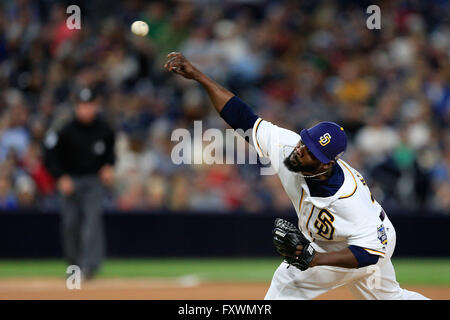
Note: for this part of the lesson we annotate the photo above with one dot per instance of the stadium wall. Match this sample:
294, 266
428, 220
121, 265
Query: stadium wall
169, 234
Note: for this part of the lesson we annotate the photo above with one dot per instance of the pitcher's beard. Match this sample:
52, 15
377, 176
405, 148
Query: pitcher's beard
297, 167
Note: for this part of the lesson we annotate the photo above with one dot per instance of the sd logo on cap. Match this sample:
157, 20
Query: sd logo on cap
326, 140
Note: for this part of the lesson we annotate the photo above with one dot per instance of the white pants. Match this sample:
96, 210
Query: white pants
376, 282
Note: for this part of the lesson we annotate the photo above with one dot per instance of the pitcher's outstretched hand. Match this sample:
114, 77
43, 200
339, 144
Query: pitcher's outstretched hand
177, 63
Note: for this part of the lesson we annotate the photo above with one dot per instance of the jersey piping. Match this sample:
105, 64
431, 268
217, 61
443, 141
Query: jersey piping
356, 185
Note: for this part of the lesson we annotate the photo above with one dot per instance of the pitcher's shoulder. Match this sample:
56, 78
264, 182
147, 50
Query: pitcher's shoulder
350, 185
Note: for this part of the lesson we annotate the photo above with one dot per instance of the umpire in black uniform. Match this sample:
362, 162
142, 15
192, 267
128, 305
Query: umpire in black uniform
81, 157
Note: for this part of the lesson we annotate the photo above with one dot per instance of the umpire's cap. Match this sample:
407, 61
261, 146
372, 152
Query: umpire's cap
326, 140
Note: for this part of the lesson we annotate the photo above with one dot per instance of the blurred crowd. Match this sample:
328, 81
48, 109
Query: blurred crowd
295, 64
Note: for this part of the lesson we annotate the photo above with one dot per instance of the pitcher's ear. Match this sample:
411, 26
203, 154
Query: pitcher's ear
329, 164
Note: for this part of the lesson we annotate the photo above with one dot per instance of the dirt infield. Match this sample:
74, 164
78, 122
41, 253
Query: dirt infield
160, 289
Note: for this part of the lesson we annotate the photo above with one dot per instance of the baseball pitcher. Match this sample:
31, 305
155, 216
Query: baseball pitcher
343, 237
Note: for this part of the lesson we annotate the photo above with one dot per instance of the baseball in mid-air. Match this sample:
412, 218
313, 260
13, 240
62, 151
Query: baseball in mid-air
139, 28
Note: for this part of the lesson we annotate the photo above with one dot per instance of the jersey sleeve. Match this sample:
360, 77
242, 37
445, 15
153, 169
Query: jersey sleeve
273, 142
369, 235
363, 257
371, 247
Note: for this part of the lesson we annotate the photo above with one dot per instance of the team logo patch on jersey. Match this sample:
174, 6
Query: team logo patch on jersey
382, 234
325, 139
324, 224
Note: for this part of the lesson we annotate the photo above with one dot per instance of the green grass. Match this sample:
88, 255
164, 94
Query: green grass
422, 271
409, 271
208, 269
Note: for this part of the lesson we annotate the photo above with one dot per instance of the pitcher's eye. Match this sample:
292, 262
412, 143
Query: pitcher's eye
311, 154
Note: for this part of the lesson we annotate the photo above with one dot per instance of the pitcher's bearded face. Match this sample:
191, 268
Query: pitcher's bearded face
301, 160
293, 164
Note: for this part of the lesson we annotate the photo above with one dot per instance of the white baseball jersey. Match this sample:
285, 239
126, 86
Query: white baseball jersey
346, 215
351, 216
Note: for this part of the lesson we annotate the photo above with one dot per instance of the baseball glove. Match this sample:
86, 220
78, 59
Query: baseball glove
286, 238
